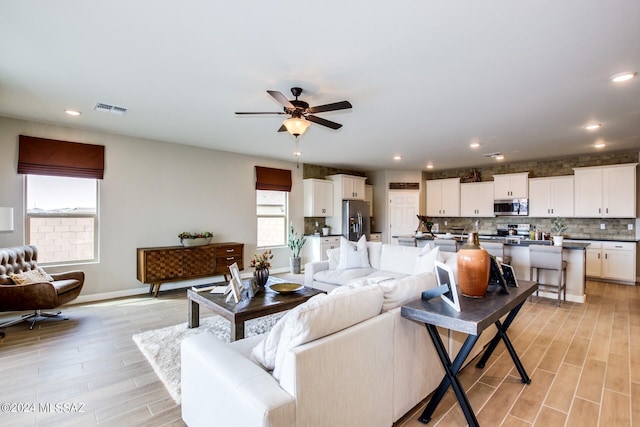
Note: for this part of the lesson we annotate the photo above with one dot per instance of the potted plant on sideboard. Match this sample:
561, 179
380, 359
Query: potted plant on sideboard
296, 242
558, 228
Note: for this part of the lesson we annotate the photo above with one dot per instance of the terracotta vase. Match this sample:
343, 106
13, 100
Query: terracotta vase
261, 275
473, 268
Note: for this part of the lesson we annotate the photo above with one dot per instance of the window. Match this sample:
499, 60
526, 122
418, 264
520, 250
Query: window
272, 212
62, 218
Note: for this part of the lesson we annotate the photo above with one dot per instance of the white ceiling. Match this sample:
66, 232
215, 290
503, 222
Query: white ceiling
425, 78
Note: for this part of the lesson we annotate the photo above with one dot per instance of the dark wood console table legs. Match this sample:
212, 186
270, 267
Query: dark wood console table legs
452, 369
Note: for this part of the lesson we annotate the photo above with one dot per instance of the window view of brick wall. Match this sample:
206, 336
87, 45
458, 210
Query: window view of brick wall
63, 238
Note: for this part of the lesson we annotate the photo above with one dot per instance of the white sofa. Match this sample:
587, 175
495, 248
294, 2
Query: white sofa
343, 359
385, 260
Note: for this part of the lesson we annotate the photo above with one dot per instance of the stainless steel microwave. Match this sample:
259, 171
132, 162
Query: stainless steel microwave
511, 207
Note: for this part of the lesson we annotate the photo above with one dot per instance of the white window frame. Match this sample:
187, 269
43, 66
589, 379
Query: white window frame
65, 215
284, 216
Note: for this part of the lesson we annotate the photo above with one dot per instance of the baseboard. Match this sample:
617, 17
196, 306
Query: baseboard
571, 298
143, 289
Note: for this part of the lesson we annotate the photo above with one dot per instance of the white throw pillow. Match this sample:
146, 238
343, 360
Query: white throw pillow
334, 258
353, 255
320, 316
425, 259
399, 292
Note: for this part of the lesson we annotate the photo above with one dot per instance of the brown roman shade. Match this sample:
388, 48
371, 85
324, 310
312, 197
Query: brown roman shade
273, 179
40, 156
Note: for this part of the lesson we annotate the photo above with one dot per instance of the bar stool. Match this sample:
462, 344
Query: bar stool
497, 250
543, 257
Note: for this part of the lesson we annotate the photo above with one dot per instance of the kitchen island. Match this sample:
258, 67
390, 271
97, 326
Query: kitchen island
518, 249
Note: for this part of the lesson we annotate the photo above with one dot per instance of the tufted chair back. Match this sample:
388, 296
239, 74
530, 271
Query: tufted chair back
17, 260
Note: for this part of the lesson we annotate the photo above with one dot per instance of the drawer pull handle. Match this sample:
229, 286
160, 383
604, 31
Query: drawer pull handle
230, 250
230, 258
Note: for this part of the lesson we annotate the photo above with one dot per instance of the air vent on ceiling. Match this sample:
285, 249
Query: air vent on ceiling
496, 154
108, 108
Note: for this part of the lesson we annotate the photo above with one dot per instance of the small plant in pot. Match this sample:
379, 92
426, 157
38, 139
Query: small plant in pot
295, 243
558, 228
325, 230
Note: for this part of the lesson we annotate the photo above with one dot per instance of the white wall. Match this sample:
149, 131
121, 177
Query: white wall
380, 181
151, 191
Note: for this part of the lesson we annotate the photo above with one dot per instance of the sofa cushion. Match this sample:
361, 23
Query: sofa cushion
341, 277
426, 258
375, 251
37, 275
353, 255
320, 316
398, 292
334, 257
399, 259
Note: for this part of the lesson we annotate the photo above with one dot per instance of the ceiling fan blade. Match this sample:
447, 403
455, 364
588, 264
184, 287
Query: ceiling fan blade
278, 96
342, 105
324, 122
282, 129
261, 112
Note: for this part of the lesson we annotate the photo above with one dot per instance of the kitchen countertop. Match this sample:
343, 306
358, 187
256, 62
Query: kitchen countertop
567, 244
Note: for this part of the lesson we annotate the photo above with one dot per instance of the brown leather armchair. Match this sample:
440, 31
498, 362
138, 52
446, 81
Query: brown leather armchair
34, 297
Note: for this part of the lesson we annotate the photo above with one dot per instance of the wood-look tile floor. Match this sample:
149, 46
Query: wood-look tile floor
583, 359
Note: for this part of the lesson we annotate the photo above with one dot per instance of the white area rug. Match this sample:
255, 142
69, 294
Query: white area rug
161, 347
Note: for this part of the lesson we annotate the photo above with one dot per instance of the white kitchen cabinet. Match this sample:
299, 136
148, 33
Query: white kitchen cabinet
476, 199
551, 197
511, 186
368, 197
318, 197
317, 247
612, 261
348, 187
605, 191
443, 197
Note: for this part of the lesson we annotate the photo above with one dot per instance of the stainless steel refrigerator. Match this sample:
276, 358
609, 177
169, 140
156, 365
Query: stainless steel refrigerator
355, 219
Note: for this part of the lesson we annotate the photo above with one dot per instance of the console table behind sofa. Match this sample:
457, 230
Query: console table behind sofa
174, 263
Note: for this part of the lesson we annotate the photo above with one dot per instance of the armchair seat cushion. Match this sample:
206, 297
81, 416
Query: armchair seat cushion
65, 285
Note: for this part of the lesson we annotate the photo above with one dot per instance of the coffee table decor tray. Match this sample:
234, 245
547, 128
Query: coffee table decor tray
286, 288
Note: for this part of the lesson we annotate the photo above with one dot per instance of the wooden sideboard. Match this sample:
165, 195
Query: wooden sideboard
174, 263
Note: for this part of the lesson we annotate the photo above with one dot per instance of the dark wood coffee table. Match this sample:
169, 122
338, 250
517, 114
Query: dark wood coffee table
262, 304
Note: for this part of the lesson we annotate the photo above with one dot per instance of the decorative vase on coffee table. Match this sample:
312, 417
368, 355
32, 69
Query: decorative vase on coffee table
261, 275
473, 268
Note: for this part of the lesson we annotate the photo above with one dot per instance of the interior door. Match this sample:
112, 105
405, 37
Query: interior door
404, 205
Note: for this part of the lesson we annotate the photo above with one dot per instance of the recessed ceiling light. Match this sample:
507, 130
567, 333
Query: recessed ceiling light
297, 153
474, 145
600, 144
593, 126
499, 157
623, 77
72, 112
397, 157
430, 166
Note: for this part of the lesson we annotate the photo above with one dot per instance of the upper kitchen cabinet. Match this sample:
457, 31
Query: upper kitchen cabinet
443, 197
605, 191
551, 197
348, 187
511, 186
318, 197
476, 199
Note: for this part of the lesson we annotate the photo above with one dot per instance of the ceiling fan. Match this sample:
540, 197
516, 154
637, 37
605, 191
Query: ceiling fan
300, 112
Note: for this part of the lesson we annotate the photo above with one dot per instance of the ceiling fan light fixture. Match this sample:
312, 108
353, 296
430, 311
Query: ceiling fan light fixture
296, 126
